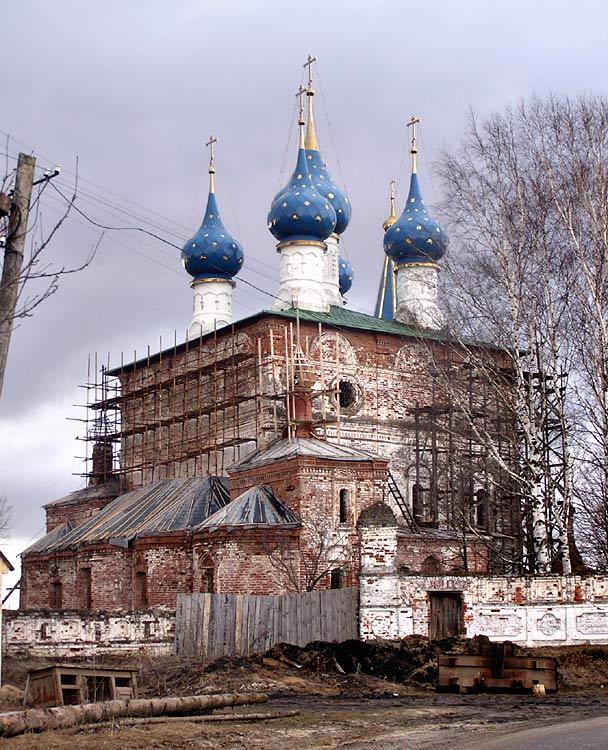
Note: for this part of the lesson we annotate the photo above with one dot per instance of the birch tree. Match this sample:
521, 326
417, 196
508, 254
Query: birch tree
526, 203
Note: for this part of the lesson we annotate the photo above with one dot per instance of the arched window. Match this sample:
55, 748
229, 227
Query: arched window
140, 590
337, 578
417, 500
420, 494
86, 593
207, 569
344, 498
431, 564
56, 595
482, 510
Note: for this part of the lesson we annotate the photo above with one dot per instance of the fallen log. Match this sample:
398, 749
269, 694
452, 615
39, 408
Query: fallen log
130, 722
62, 717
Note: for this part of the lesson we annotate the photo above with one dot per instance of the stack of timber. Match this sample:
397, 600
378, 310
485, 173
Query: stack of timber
498, 667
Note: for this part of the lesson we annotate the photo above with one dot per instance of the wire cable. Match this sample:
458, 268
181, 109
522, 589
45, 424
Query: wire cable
150, 234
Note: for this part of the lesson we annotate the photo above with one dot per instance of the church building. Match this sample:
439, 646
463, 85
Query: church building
261, 455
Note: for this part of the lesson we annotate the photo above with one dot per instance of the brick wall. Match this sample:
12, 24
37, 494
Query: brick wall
82, 504
392, 548
61, 576
241, 563
172, 426
105, 577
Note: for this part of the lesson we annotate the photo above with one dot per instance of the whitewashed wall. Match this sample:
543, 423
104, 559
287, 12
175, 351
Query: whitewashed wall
531, 611
60, 634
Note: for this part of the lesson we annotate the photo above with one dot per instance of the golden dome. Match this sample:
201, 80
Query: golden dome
392, 218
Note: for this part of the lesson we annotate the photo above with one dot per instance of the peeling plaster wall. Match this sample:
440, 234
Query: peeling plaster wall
61, 634
531, 611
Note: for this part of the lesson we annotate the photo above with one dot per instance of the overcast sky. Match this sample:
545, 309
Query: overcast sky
134, 89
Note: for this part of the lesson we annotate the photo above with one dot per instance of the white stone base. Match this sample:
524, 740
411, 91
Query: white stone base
301, 276
60, 634
212, 305
417, 288
530, 611
331, 270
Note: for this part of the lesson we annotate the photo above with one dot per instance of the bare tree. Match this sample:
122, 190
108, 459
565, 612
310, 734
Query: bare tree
5, 517
526, 199
28, 277
304, 563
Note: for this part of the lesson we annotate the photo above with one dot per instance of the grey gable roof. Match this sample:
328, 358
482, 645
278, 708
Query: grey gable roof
158, 508
52, 538
103, 490
307, 447
257, 507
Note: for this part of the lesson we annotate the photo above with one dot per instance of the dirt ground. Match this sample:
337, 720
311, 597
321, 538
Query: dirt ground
348, 695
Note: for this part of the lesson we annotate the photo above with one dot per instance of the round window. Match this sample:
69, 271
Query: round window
348, 394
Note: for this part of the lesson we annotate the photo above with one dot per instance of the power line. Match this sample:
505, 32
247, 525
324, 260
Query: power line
150, 234
141, 253
92, 197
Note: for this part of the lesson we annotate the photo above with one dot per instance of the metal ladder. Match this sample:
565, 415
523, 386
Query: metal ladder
397, 495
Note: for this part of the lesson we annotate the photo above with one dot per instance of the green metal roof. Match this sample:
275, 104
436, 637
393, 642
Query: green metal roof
337, 317
342, 317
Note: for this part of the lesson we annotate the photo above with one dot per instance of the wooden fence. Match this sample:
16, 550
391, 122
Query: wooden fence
214, 625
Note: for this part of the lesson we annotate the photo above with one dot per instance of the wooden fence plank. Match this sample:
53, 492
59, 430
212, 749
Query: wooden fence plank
204, 613
238, 623
214, 625
180, 633
245, 628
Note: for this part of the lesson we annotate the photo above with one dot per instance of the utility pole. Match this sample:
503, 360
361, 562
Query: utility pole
13, 254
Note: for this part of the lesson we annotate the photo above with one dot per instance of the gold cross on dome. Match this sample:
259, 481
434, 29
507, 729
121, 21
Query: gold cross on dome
413, 149
300, 94
308, 64
210, 143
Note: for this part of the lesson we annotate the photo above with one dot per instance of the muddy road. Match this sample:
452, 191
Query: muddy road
390, 723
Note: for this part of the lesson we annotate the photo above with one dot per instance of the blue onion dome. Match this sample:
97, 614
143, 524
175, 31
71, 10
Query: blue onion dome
299, 211
213, 253
321, 178
345, 275
415, 237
